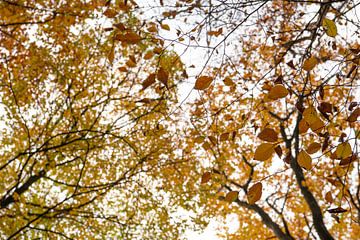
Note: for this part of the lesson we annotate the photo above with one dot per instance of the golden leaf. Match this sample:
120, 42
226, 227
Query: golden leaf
310, 63
277, 92
264, 151
304, 160
313, 148
254, 193
343, 150
330, 27
231, 196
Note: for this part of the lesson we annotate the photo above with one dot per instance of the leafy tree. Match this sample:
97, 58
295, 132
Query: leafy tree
95, 143
279, 82
83, 137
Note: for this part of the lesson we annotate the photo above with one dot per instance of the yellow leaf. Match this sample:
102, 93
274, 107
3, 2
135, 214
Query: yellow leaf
264, 151
278, 91
165, 27
254, 193
317, 125
269, 135
330, 27
203, 82
231, 196
313, 148
343, 150
310, 115
205, 177
304, 160
310, 63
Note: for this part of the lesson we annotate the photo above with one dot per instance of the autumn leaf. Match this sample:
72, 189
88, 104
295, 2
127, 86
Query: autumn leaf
205, 177
329, 197
231, 196
165, 27
277, 92
148, 81
304, 160
203, 82
163, 76
330, 27
254, 193
343, 150
313, 148
264, 151
310, 63
268, 134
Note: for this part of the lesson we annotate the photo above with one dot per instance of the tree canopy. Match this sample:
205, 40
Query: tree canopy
147, 119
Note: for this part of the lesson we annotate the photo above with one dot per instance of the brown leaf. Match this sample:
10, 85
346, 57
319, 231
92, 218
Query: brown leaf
254, 193
231, 196
269, 135
310, 63
203, 82
148, 81
205, 177
304, 160
278, 151
337, 210
277, 92
163, 76
313, 148
329, 197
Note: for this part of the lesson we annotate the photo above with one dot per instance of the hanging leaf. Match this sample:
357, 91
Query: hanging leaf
304, 160
110, 13
231, 196
343, 150
165, 27
269, 135
330, 27
313, 148
303, 126
278, 151
277, 92
348, 160
148, 81
203, 82
264, 151
205, 177
329, 197
254, 193
310, 63
163, 76
354, 115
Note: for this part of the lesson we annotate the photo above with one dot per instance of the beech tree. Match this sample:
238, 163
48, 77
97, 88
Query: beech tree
274, 128
96, 144
83, 137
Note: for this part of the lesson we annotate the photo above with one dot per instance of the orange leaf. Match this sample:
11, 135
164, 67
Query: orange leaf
264, 151
277, 92
310, 63
313, 148
304, 160
203, 82
329, 197
269, 135
254, 193
205, 177
354, 115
